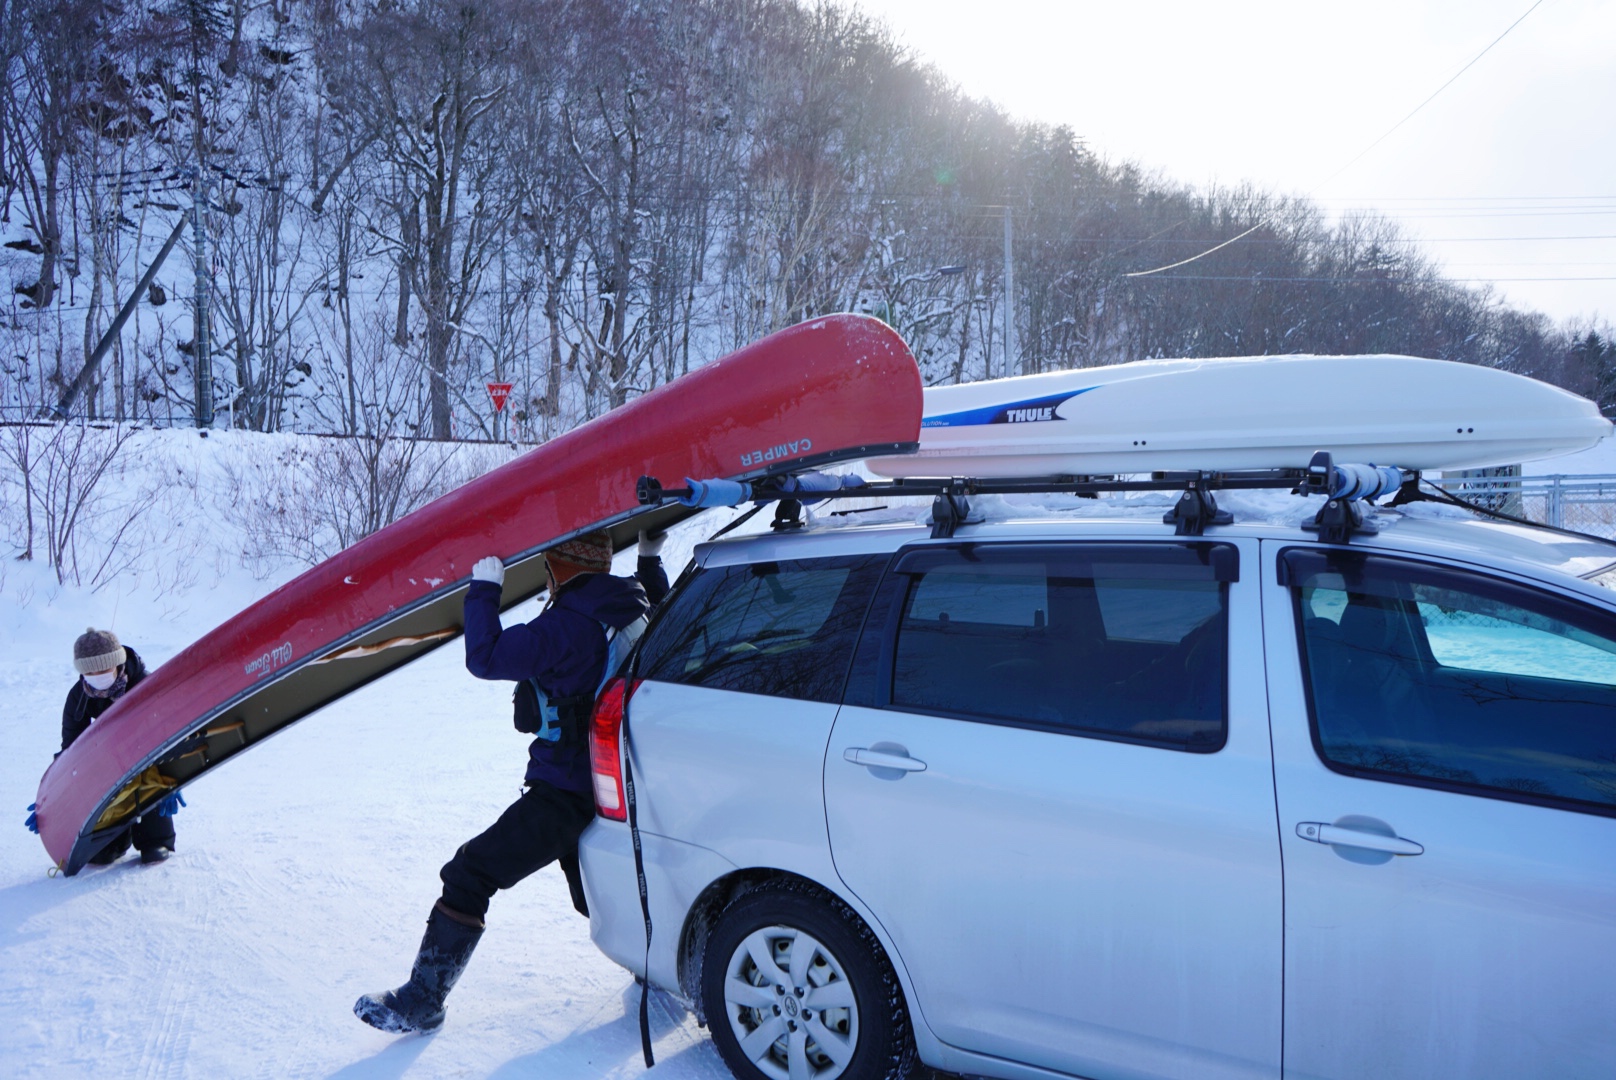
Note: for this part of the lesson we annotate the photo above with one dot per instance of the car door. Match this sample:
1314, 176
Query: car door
742, 677
1050, 782
1445, 764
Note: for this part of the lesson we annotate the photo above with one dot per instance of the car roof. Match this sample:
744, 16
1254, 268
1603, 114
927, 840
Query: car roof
1430, 529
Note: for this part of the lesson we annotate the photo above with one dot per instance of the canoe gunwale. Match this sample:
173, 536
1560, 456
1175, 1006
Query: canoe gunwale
90, 840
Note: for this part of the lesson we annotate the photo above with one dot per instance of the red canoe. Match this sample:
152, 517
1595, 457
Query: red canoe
833, 389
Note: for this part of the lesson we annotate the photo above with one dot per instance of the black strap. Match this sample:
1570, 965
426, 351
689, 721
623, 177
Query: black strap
743, 519
639, 874
634, 830
1439, 494
572, 714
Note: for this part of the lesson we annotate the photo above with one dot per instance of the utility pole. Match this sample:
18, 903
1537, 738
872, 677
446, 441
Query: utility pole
199, 253
1009, 301
203, 358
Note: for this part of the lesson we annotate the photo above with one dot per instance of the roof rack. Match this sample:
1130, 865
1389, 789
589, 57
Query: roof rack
1346, 488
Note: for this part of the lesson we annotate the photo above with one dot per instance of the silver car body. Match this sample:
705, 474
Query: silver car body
1056, 905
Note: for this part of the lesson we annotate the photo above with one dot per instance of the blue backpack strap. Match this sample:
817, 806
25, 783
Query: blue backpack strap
549, 715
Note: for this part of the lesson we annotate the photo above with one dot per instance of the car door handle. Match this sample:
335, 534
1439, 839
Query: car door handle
1335, 835
881, 759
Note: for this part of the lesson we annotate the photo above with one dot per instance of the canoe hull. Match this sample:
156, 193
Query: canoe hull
828, 390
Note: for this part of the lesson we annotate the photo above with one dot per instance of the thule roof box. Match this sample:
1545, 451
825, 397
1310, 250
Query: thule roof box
1198, 427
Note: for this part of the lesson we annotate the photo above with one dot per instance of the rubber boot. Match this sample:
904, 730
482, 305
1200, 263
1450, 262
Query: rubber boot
418, 1004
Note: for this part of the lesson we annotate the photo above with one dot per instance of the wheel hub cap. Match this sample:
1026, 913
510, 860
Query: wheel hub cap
790, 1005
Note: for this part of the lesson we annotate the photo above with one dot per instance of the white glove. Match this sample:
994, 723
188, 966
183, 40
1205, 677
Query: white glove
651, 547
489, 569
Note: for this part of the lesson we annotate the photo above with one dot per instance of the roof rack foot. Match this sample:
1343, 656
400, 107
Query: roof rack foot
1194, 511
948, 512
1340, 521
787, 515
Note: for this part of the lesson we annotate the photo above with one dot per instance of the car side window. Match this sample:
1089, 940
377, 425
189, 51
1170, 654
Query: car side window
1126, 642
1441, 677
784, 629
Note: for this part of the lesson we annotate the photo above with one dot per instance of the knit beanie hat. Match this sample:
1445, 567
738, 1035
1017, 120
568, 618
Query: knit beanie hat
591, 553
97, 650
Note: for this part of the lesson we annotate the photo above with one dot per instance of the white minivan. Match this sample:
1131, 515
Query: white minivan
1071, 795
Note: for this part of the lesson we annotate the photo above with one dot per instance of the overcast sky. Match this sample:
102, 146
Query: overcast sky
1285, 93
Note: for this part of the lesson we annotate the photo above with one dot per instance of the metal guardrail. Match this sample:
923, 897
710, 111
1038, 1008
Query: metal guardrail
31, 419
44, 415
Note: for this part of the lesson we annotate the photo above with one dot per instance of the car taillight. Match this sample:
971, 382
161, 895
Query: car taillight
605, 760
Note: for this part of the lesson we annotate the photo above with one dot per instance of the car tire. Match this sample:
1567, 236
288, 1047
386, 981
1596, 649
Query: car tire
824, 989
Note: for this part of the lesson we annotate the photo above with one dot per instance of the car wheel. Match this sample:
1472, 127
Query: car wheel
796, 987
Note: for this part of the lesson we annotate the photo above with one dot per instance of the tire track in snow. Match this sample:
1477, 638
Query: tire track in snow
168, 1040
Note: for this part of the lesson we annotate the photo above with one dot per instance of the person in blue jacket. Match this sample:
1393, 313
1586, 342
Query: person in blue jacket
558, 662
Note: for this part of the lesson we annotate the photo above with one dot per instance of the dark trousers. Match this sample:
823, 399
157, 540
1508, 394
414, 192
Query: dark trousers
150, 831
534, 831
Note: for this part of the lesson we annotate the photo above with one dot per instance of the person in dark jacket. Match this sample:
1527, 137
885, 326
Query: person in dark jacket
107, 670
561, 656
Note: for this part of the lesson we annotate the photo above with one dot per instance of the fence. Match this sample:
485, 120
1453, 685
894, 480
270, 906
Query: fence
18, 416
1585, 502
46, 414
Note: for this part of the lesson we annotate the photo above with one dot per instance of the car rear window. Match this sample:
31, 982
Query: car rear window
785, 629
1127, 642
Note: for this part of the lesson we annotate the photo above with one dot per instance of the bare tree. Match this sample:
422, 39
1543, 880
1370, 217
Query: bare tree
657, 181
79, 468
433, 81
263, 283
20, 450
53, 82
607, 126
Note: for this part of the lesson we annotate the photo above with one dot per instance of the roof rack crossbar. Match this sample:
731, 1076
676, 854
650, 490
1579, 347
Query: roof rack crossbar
652, 493
1345, 488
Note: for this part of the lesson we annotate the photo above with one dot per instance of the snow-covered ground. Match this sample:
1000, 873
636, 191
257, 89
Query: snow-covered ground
303, 877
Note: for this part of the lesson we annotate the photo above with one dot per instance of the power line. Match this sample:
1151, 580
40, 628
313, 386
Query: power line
1361, 153
1401, 215
1466, 198
1454, 78
1539, 262
1259, 279
366, 293
1511, 239
1396, 242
